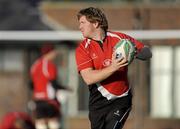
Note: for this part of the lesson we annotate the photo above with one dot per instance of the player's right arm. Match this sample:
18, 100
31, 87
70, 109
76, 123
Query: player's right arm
91, 75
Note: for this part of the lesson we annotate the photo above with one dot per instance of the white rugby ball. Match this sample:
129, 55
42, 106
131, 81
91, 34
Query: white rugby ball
125, 49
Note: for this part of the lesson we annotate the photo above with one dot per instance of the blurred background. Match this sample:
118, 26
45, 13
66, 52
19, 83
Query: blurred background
25, 25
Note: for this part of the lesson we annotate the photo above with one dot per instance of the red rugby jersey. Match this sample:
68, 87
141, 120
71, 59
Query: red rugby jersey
89, 54
42, 72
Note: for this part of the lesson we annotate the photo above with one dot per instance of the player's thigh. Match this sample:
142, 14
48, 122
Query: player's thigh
45, 110
116, 118
96, 119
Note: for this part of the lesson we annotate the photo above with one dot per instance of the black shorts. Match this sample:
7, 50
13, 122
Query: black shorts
46, 109
113, 116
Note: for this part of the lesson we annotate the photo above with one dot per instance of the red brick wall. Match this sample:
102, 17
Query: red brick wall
13, 93
122, 17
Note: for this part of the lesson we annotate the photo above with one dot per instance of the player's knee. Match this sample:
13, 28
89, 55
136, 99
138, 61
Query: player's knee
54, 124
40, 125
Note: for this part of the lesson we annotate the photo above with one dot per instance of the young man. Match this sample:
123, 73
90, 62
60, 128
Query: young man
110, 96
45, 85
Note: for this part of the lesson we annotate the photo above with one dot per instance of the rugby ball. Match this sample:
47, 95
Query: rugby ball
125, 49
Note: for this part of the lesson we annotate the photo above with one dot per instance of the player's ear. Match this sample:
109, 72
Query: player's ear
96, 24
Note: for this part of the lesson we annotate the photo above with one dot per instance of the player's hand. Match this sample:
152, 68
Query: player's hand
117, 63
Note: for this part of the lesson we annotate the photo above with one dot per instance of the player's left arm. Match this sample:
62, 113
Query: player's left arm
56, 85
52, 76
143, 52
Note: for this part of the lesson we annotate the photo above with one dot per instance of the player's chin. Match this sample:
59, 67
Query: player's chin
84, 35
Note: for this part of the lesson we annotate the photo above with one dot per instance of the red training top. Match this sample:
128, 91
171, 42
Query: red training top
89, 54
42, 72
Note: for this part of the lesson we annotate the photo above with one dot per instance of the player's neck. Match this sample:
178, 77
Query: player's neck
99, 35
49, 56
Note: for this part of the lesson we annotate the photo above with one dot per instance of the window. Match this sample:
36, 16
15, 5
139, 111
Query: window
11, 60
177, 83
165, 76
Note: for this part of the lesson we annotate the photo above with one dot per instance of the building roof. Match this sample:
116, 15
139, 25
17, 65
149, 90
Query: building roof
20, 15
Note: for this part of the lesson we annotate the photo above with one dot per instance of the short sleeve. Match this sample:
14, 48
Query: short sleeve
139, 45
83, 58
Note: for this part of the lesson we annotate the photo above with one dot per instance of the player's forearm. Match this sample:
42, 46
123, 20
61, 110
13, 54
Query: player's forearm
91, 76
56, 85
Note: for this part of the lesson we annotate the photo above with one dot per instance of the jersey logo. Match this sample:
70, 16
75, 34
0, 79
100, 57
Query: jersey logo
117, 113
106, 62
93, 56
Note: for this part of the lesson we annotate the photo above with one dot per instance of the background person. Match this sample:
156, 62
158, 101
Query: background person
44, 83
106, 76
17, 120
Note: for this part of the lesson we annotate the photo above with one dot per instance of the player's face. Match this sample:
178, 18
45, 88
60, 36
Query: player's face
86, 28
